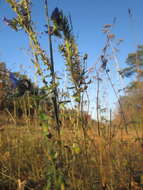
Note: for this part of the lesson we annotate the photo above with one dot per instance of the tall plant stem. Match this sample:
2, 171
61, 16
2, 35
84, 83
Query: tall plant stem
53, 81
121, 108
97, 105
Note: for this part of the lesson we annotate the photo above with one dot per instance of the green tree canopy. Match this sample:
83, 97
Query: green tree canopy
135, 63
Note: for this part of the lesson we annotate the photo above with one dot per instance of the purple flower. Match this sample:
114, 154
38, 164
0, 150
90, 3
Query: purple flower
11, 22
55, 14
7, 21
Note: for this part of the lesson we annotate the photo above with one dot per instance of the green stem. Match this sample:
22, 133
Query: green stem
55, 98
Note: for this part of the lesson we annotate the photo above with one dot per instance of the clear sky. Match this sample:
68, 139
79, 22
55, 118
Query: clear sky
88, 17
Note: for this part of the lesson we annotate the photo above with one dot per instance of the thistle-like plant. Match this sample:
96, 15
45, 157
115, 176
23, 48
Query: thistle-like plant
23, 20
69, 50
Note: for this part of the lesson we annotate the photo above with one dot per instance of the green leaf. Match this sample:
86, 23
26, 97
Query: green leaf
45, 129
76, 148
43, 116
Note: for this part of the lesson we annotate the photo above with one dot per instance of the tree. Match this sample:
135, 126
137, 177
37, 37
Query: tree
13, 82
132, 101
12, 86
135, 64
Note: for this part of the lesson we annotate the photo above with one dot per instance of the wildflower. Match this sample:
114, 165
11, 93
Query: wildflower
55, 14
11, 22
57, 17
7, 21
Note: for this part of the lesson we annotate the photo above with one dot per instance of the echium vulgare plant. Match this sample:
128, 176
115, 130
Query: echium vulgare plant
69, 49
23, 20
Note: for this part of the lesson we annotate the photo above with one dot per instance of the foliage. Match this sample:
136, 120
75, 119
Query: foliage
75, 64
21, 97
61, 148
132, 104
135, 63
132, 100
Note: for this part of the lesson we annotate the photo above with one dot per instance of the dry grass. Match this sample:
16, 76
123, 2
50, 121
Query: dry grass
28, 157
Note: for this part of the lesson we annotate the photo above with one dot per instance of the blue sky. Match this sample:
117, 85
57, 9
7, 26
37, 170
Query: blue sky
88, 17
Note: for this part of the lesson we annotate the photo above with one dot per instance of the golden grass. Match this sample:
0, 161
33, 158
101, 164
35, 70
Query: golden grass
90, 162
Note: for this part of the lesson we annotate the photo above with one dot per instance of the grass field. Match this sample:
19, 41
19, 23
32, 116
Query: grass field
48, 137
29, 159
